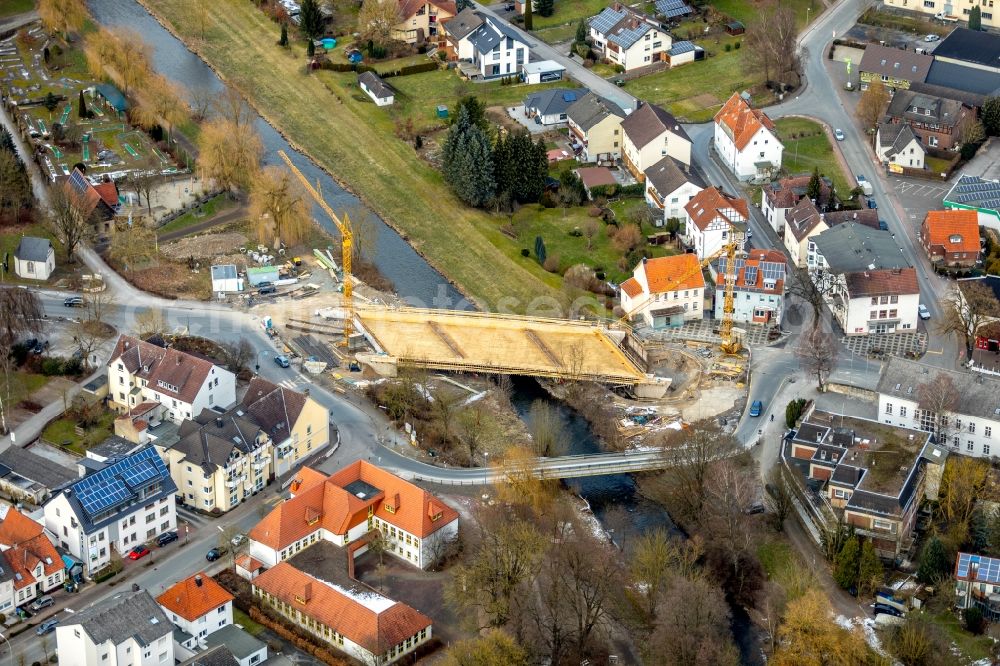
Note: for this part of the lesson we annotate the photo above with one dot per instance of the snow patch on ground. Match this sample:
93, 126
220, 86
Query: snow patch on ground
373, 601
867, 626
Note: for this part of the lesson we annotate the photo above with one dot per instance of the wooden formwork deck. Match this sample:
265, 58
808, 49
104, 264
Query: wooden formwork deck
510, 344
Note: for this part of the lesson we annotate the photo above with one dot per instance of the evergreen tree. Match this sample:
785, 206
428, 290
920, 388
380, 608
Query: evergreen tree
528, 22
870, 572
310, 48
51, 102
990, 115
310, 19
476, 111
468, 162
454, 144
540, 249
81, 110
581, 32
283, 40
846, 568
976, 18
933, 561
814, 189
545, 7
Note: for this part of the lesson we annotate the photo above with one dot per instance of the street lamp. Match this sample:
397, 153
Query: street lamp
10, 650
257, 364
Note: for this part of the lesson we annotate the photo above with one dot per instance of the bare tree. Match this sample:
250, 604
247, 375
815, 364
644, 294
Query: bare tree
693, 627
971, 131
476, 428
121, 54
817, 351
21, 314
62, 16
145, 178
200, 101
68, 218
656, 558
936, 399
149, 322
590, 230
811, 288
232, 106
548, 433
278, 206
160, 102
771, 45
966, 308
377, 19
229, 154
872, 104
131, 245
779, 498
238, 355
518, 483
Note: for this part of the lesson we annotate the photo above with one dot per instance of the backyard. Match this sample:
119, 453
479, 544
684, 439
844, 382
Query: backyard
807, 146
405, 190
207, 210
62, 432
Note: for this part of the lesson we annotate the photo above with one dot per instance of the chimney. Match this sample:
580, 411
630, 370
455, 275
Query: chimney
178, 359
218, 422
307, 591
197, 580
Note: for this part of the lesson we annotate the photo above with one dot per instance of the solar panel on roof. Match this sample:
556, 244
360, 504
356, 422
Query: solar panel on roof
78, 182
681, 47
751, 275
116, 483
569, 96
606, 20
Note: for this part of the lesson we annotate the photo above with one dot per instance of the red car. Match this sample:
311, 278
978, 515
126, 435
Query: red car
138, 552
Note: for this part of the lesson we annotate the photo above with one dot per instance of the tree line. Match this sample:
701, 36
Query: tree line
15, 188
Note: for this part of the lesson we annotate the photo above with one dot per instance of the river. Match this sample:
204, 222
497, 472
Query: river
413, 278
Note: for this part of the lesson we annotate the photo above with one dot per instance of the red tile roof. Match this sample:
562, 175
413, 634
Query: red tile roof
754, 259
306, 478
446, 8
890, 281
183, 373
953, 230
631, 287
26, 548
741, 121
665, 274
711, 203
360, 615
191, 600
248, 563
786, 192
108, 192
17, 527
330, 506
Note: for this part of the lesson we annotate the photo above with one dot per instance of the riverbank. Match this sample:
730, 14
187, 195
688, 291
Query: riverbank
386, 173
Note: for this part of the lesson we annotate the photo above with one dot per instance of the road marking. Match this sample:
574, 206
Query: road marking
939, 352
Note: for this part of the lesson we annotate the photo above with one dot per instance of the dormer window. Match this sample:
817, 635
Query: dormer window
954, 238
390, 508
436, 516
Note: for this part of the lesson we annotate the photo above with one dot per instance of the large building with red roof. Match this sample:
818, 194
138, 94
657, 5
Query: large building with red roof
951, 237
759, 290
665, 292
334, 517
712, 217
30, 565
746, 140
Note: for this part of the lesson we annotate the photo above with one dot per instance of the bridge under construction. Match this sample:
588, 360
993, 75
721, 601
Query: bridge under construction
461, 341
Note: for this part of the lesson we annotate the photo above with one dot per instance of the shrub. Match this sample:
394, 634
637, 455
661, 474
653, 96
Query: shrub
52, 366
575, 232
525, 252
974, 621
551, 263
793, 410
737, 45
595, 211
728, 48
547, 200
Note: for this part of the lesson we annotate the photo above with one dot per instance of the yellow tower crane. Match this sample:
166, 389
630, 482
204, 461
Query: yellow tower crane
346, 245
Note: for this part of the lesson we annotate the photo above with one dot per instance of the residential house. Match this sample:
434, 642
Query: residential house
247, 650
950, 8
779, 197
649, 134
26, 476
456, 33
898, 147
248, 567
595, 126
977, 584
628, 38
219, 655
219, 460
935, 120
665, 291
951, 237
873, 477
978, 194
114, 507
98, 202
185, 384
759, 290
348, 504
129, 629
968, 426
549, 107
198, 606
670, 186
866, 280
671, 10
804, 221
298, 426
34, 258
597, 176
31, 566
745, 139
496, 49
421, 20
380, 92
895, 68
712, 217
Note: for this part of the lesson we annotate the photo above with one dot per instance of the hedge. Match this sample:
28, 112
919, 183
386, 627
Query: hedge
419, 68
286, 630
627, 191
107, 572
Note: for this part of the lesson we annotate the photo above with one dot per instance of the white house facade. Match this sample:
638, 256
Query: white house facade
665, 292
650, 133
496, 49
198, 606
127, 630
670, 185
627, 38
746, 141
712, 217
34, 258
759, 289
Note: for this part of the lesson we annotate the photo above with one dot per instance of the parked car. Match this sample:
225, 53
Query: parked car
238, 540
264, 285
883, 226
215, 554
73, 302
47, 627
40, 347
755, 508
756, 408
40, 603
282, 361
888, 610
138, 553
932, 38
165, 538
838, 134
872, 203
924, 313
269, 289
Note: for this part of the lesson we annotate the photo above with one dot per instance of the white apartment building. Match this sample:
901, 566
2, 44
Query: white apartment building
114, 507
665, 291
650, 134
129, 629
141, 372
972, 426
958, 10
713, 217
496, 49
759, 290
628, 38
746, 141
198, 606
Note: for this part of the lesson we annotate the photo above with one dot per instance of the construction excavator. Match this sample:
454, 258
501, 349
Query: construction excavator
346, 246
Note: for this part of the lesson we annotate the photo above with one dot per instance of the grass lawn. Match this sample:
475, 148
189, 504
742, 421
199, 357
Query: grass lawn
811, 149
695, 91
744, 11
250, 626
936, 164
557, 33
11, 7
355, 141
569, 11
554, 226
784, 566
604, 70
10, 237
975, 648
22, 384
63, 430
216, 204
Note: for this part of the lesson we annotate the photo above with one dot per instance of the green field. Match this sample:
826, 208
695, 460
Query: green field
745, 11
62, 432
974, 648
811, 149
557, 34
330, 119
22, 385
569, 11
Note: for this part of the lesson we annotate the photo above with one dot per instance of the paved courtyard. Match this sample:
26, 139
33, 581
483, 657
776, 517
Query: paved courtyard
896, 344
706, 330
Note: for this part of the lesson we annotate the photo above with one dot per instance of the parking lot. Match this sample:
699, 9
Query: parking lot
918, 196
